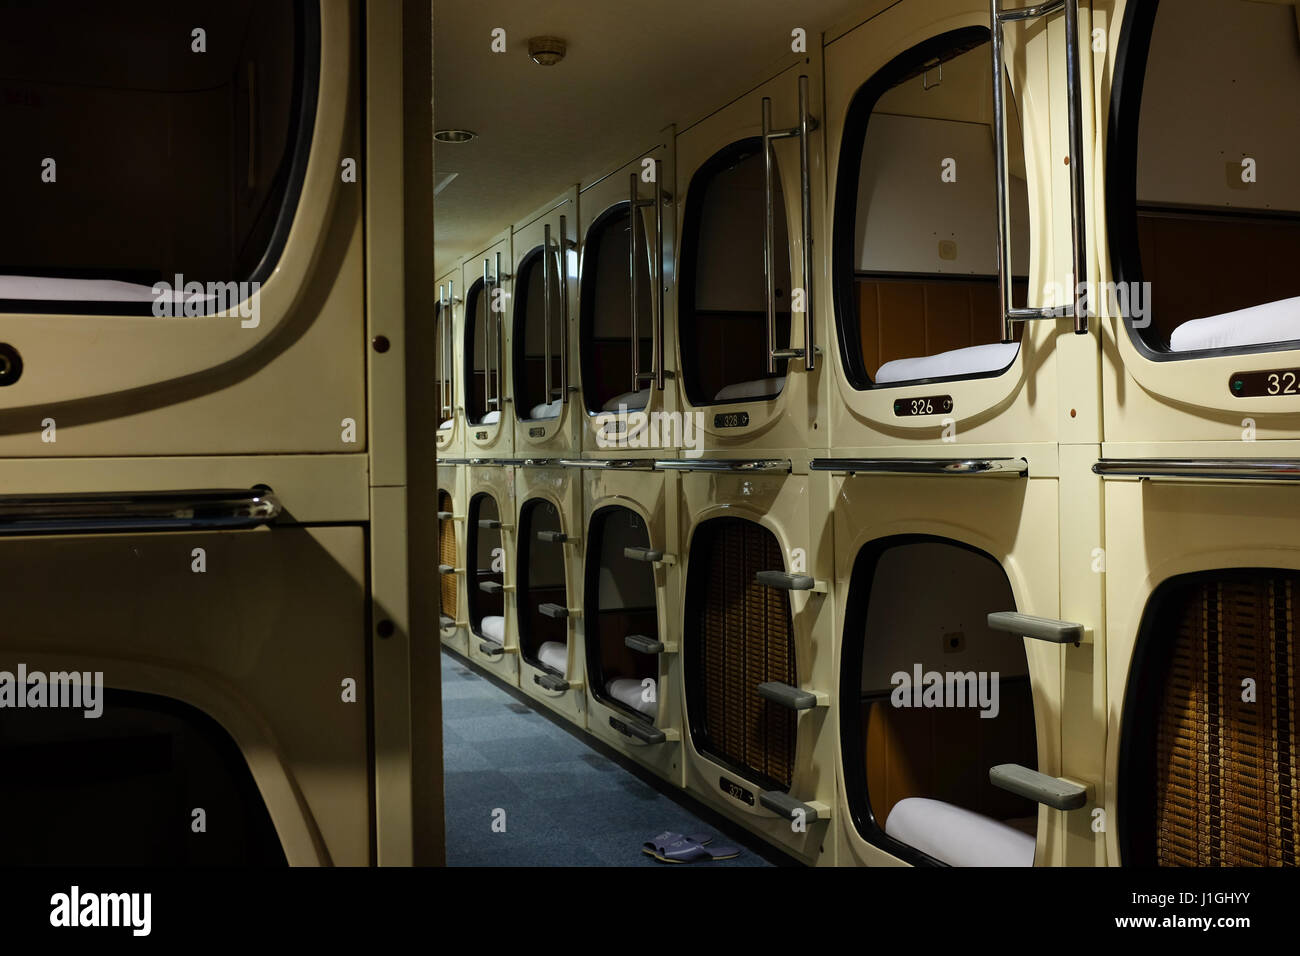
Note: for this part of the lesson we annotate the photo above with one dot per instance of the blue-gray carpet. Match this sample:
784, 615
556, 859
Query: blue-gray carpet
565, 804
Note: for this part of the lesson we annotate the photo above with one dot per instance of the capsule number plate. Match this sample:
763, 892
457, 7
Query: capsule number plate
1274, 382
923, 405
731, 420
735, 791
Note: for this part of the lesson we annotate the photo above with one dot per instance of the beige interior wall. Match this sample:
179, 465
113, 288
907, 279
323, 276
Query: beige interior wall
1244, 97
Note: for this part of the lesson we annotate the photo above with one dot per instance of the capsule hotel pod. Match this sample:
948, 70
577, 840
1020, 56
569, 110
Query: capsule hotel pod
218, 522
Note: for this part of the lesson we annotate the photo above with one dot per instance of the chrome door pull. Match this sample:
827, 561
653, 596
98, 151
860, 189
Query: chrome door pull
807, 124
1079, 228
101, 512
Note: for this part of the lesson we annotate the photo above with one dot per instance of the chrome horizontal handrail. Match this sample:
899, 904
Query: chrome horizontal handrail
99, 512
777, 465
609, 464
1242, 469
998, 467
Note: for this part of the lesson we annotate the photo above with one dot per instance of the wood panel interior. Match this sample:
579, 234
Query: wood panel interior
903, 317
1203, 265
945, 753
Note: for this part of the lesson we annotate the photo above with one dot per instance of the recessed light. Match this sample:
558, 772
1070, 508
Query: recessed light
454, 135
546, 51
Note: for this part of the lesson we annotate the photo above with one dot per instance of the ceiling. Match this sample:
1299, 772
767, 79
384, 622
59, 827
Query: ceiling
631, 70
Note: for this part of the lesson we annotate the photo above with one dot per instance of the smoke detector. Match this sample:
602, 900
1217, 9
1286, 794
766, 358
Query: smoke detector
546, 51
454, 135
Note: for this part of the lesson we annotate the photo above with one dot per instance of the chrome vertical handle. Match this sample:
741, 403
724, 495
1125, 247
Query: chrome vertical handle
546, 305
633, 212
807, 123
450, 347
805, 189
658, 356
1078, 224
487, 337
769, 236
498, 340
564, 310
442, 352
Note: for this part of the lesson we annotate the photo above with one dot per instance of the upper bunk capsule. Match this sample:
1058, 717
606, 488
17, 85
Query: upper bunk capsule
546, 414
627, 284
1202, 225
956, 227
750, 304
485, 352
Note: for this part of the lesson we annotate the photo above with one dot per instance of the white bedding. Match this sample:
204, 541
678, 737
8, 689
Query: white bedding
494, 628
759, 388
629, 691
555, 656
968, 361
956, 836
1259, 325
491, 418
632, 400
446, 426
547, 410
48, 289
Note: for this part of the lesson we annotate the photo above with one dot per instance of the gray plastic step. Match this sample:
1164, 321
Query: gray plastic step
643, 645
792, 698
1050, 791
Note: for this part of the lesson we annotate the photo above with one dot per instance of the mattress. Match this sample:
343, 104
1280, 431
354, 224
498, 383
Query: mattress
627, 690
957, 836
1259, 325
630, 399
758, 388
494, 628
968, 361
45, 288
555, 656
547, 409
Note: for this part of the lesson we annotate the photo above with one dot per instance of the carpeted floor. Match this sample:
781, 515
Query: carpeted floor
564, 803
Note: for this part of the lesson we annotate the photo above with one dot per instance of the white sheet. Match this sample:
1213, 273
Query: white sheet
494, 628
629, 691
956, 836
548, 410
759, 388
491, 418
632, 400
1259, 325
968, 361
48, 289
555, 656
446, 426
